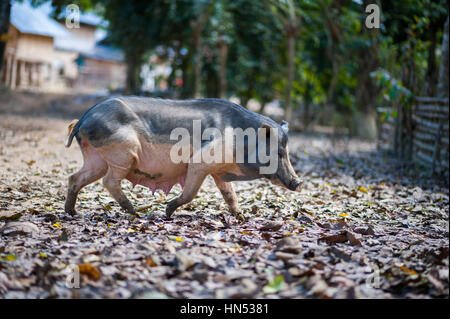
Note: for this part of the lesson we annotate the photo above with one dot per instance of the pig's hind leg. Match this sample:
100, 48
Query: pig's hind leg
229, 195
120, 158
94, 168
112, 182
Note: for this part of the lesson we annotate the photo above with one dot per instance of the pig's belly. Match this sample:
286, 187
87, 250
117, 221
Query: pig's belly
155, 170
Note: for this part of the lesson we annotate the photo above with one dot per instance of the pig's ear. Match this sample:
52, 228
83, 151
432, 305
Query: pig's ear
267, 127
285, 126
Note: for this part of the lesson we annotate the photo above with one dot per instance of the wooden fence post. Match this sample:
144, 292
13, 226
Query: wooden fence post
437, 149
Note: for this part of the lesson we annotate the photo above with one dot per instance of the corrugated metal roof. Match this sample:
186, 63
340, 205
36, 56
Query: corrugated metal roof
79, 43
30, 20
106, 53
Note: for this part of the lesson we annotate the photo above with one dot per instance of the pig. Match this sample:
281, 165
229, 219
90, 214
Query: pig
129, 137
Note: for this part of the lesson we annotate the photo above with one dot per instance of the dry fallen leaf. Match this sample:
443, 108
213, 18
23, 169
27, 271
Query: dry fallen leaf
352, 239
363, 189
408, 271
91, 271
364, 230
272, 226
339, 238
9, 215
19, 228
149, 262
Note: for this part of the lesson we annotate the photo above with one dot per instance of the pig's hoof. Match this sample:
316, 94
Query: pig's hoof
71, 211
169, 213
131, 212
131, 217
239, 216
170, 209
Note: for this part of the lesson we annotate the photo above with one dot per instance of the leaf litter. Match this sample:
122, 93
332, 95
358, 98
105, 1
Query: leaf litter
363, 226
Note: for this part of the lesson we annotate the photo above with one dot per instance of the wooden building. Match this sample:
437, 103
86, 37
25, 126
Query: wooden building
30, 60
102, 67
43, 54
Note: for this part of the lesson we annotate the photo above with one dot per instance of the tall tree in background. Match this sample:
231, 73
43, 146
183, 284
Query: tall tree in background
254, 66
332, 12
136, 27
5, 11
443, 70
411, 33
435, 19
222, 31
203, 12
235, 48
366, 89
289, 14
222, 45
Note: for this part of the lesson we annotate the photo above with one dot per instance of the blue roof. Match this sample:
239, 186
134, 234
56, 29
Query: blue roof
36, 20
88, 18
29, 20
103, 52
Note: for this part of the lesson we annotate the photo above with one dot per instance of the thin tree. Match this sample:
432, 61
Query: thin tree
289, 15
5, 12
443, 70
198, 25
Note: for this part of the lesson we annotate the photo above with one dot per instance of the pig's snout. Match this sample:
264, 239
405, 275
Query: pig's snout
295, 185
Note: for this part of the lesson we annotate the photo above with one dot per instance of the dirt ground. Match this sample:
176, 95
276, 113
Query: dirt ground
364, 225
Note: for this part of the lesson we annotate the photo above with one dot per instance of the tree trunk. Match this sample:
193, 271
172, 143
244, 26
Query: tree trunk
334, 78
5, 12
133, 82
262, 107
431, 78
306, 117
198, 27
245, 98
172, 76
223, 53
364, 125
198, 63
442, 90
290, 75
187, 75
332, 32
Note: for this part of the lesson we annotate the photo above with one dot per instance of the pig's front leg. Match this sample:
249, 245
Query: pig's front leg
195, 176
229, 195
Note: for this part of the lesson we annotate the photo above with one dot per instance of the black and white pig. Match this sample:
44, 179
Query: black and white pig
133, 138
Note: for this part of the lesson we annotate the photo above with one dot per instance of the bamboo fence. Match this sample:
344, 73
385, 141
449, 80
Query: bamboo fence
419, 133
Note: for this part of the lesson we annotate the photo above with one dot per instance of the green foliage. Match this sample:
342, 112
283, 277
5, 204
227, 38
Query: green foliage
337, 60
392, 87
393, 92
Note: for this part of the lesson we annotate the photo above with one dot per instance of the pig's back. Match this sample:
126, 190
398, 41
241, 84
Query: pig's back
156, 118
164, 113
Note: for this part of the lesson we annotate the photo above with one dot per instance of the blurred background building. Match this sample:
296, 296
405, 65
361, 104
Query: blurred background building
43, 54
